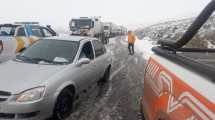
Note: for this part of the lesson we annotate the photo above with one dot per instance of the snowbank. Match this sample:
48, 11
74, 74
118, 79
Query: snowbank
210, 45
144, 47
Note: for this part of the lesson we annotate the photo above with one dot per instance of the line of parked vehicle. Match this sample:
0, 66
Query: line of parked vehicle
16, 37
95, 27
43, 73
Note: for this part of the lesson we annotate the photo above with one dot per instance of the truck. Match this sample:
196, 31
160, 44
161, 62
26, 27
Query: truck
122, 30
179, 82
114, 30
119, 30
88, 26
107, 29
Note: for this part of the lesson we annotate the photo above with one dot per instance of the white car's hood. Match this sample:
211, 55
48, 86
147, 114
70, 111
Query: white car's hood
16, 77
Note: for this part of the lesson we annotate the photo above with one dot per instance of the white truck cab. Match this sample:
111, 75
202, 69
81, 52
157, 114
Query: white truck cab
87, 26
107, 29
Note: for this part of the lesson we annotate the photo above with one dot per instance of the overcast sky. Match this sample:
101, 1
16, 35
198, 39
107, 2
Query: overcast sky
125, 12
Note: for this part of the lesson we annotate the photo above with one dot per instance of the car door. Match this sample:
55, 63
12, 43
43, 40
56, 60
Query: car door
8, 43
31, 37
36, 33
99, 58
21, 39
86, 72
46, 32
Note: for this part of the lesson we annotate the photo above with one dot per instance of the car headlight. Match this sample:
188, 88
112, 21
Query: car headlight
31, 95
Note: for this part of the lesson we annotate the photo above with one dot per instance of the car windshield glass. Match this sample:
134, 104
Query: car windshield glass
50, 51
7, 30
82, 23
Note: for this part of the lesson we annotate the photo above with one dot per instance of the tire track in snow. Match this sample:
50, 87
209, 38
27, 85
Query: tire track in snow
123, 65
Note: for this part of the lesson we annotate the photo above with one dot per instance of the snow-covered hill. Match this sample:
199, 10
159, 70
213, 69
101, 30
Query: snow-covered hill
173, 30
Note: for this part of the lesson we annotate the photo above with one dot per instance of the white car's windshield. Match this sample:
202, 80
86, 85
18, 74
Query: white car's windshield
50, 51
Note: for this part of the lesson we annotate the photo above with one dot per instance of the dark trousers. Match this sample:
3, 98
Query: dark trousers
131, 48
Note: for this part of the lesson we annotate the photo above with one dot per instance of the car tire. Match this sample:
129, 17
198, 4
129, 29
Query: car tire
106, 76
64, 105
141, 116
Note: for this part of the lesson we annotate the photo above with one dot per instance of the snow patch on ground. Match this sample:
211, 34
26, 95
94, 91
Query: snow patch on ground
112, 40
144, 47
210, 45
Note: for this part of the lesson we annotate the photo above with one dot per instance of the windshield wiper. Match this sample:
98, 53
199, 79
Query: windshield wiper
42, 59
24, 58
37, 60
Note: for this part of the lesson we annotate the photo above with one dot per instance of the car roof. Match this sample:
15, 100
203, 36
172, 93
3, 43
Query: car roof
17, 25
69, 38
9, 25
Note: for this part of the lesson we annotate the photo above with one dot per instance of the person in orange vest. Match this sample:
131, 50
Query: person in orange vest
131, 41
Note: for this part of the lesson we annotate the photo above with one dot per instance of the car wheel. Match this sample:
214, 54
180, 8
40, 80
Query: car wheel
64, 105
1, 46
141, 116
106, 76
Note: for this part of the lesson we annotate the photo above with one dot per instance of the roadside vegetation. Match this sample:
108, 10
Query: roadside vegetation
173, 30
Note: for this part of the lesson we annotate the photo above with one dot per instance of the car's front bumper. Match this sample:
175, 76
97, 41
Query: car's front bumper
38, 110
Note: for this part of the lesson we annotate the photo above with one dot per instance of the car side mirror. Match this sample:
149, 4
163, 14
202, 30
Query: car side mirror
83, 61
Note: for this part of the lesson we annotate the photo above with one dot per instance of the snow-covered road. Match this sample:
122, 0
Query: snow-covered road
144, 47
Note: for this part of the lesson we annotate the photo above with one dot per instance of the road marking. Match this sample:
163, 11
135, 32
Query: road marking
117, 71
123, 65
111, 77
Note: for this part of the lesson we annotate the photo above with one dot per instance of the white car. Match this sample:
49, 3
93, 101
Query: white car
45, 79
16, 37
